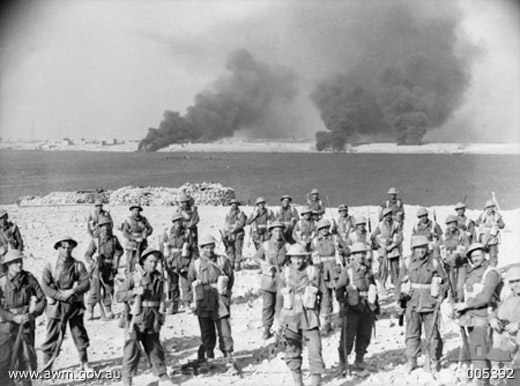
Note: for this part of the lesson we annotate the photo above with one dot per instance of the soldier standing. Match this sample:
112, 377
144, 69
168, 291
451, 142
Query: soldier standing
191, 219
426, 227
288, 216
394, 203
212, 277
342, 228
234, 233
143, 292
324, 258
489, 224
102, 255
271, 257
94, 217
316, 205
481, 292
178, 254
358, 310
465, 223
361, 235
10, 237
21, 302
305, 229
423, 299
453, 253
135, 230
64, 283
301, 294
259, 220
388, 237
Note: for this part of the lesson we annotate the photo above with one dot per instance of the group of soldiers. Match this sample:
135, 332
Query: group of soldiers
306, 260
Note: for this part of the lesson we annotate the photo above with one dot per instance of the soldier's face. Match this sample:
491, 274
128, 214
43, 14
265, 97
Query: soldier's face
423, 219
136, 211
234, 206
208, 250
150, 263
393, 196
3, 220
104, 229
490, 210
421, 251
452, 226
277, 233
344, 213
298, 261
315, 196
515, 286
15, 267
307, 216
478, 257
359, 257
388, 217
99, 207
460, 212
361, 227
261, 205
65, 249
285, 202
176, 225
324, 231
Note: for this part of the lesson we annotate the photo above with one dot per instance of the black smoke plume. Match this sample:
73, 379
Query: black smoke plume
408, 79
237, 101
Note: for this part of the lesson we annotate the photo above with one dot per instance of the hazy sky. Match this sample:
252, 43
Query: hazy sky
92, 68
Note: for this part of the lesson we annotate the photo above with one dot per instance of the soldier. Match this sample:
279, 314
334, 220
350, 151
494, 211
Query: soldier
135, 230
481, 292
212, 277
453, 253
305, 229
489, 224
143, 292
464, 222
419, 284
506, 323
288, 216
102, 255
234, 234
94, 217
21, 302
178, 254
316, 215
301, 294
324, 258
394, 203
343, 226
388, 238
316, 205
358, 310
426, 227
360, 235
272, 258
64, 283
191, 218
10, 237
258, 220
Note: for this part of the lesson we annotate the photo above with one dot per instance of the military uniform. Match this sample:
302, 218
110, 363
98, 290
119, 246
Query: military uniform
342, 227
388, 238
15, 299
108, 252
419, 273
288, 216
299, 317
358, 314
316, 207
465, 223
94, 218
360, 236
395, 204
190, 220
135, 230
259, 221
235, 234
453, 252
488, 229
10, 237
145, 322
213, 303
272, 258
304, 231
65, 274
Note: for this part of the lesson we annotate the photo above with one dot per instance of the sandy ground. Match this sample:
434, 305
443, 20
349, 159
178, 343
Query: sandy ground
41, 226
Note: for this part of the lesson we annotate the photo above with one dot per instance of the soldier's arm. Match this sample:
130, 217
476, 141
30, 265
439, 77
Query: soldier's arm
295, 231
484, 297
148, 228
341, 285
252, 217
195, 219
397, 290
399, 238
259, 256
83, 282
438, 231
279, 298
191, 272
240, 224
19, 241
126, 231
500, 222
117, 255
37, 291
48, 285
125, 294
228, 270
91, 249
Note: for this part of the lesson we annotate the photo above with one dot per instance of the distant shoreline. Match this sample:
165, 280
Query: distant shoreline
258, 146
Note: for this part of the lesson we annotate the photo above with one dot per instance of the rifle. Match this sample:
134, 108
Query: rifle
101, 287
136, 307
224, 239
495, 200
402, 303
19, 336
436, 311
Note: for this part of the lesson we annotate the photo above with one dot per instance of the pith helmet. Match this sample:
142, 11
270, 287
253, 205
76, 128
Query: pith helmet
150, 251
234, 201
3, 212
392, 190
360, 220
297, 250
422, 212
206, 240
489, 204
13, 255
98, 202
65, 238
342, 207
475, 247
315, 191
259, 200
387, 211
419, 241
177, 217
323, 224
358, 247
286, 197
276, 224
460, 205
305, 210
513, 274
104, 220
184, 197
133, 206
451, 218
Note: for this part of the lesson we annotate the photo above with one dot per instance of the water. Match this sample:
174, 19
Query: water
354, 179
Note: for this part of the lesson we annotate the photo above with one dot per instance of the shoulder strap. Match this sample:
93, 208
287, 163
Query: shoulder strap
286, 273
350, 276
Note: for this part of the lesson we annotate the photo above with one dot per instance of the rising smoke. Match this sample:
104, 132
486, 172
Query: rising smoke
238, 101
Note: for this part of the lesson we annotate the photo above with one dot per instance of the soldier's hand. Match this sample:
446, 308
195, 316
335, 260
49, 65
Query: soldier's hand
493, 323
399, 309
65, 295
512, 328
18, 319
459, 307
138, 290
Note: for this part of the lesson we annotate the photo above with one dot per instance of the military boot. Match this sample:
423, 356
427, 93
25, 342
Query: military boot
90, 312
297, 378
411, 365
267, 333
174, 308
238, 266
359, 363
109, 313
342, 366
315, 380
